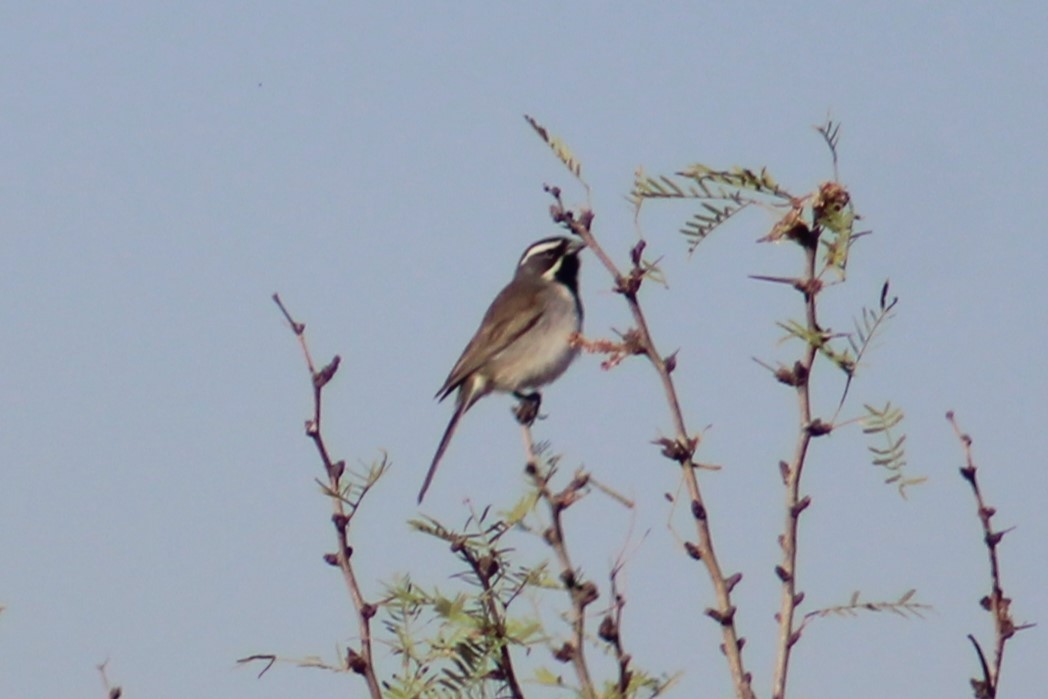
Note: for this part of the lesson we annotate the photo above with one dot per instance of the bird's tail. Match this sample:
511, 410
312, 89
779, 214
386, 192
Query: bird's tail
460, 410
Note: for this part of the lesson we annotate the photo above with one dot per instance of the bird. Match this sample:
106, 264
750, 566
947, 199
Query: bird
524, 341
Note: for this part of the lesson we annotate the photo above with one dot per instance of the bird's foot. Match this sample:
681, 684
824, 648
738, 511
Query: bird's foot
527, 411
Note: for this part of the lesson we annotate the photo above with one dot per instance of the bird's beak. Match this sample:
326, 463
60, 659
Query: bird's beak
576, 246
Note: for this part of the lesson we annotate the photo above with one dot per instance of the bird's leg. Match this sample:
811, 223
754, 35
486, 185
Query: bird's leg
528, 409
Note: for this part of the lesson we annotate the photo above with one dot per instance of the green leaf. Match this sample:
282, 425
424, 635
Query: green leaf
545, 677
559, 148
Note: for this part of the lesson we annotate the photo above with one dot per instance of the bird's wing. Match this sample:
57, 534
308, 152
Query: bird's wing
508, 317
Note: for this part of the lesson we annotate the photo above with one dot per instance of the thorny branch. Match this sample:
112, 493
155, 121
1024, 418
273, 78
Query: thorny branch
681, 448
361, 662
610, 632
791, 473
996, 603
582, 593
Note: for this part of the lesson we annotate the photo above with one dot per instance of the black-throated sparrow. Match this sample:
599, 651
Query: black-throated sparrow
524, 340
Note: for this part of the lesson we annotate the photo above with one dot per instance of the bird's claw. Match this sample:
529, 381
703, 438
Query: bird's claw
527, 410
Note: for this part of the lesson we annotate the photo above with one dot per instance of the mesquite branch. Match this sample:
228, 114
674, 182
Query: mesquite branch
800, 377
610, 632
996, 602
681, 448
582, 593
360, 662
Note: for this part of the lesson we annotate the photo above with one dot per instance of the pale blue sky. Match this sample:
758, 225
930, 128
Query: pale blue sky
165, 168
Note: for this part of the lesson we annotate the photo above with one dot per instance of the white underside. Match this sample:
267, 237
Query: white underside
544, 352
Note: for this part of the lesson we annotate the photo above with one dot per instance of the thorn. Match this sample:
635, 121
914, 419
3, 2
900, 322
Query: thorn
355, 662
636, 254
792, 281
322, 377
608, 630
732, 581
787, 376
818, 428
587, 593
800, 506
671, 362
724, 618
336, 470
565, 653
586, 218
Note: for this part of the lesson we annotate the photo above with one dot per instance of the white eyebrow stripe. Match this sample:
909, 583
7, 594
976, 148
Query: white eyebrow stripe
539, 249
550, 273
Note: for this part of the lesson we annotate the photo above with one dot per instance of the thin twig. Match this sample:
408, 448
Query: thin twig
681, 449
269, 659
582, 593
610, 632
363, 662
112, 692
996, 602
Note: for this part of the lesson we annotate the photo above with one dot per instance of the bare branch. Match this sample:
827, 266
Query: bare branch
362, 662
581, 592
112, 691
791, 476
996, 602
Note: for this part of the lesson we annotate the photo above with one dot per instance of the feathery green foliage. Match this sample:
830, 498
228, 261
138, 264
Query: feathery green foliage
458, 644
559, 148
891, 456
904, 607
721, 194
